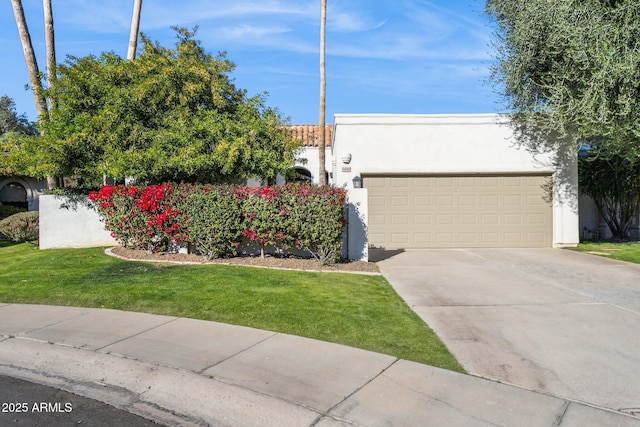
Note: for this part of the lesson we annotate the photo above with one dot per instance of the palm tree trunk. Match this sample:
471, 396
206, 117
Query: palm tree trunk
135, 27
323, 93
50, 47
29, 57
32, 64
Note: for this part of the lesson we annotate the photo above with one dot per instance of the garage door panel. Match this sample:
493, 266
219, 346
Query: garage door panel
535, 237
421, 219
400, 182
489, 239
444, 200
467, 219
533, 200
400, 202
444, 238
375, 201
444, 219
468, 238
423, 239
447, 183
512, 200
459, 211
535, 219
400, 238
513, 219
400, 219
377, 220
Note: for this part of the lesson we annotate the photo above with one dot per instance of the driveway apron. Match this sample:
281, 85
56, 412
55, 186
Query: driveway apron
549, 320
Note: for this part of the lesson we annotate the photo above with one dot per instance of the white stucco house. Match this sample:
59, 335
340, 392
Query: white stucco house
307, 164
432, 181
21, 191
446, 181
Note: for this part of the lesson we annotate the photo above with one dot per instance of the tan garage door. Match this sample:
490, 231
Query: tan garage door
459, 211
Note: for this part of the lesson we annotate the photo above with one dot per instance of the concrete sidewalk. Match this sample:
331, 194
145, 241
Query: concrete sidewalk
188, 372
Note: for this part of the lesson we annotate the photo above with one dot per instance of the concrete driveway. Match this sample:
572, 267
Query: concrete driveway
549, 320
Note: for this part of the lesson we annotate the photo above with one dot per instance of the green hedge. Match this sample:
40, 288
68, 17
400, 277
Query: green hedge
215, 219
21, 227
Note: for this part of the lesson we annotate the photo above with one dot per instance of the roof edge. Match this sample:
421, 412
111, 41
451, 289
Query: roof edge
418, 119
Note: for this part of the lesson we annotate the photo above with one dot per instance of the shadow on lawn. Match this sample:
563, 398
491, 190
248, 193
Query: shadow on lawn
7, 243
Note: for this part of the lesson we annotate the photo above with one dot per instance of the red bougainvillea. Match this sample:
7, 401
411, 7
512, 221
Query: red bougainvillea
216, 219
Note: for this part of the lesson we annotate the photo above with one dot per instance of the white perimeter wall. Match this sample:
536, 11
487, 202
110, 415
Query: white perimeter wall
64, 224
450, 144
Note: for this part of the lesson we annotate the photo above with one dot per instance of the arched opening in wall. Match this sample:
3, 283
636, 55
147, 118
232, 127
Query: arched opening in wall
14, 194
300, 174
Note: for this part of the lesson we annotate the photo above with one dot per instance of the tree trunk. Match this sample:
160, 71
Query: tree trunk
50, 47
135, 27
323, 92
29, 57
32, 64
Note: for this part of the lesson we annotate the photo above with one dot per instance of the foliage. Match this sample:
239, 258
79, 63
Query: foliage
21, 227
71, 191
12, 128
140, 218
571, 68
11, 122
371, 315
171, 115
612, 179
264, 217
321, 236
215, 219
212, 219
7, 211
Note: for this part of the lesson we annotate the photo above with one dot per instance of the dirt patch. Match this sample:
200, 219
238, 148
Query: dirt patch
294, 263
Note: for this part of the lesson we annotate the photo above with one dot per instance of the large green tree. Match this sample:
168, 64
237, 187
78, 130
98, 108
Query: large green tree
172, 114
569, 71
570, 67
11, 122
611, 177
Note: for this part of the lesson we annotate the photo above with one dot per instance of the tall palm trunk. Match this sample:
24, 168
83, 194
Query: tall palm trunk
50, 53
29, 57
32, 65
323, 93
135, 27
50, 48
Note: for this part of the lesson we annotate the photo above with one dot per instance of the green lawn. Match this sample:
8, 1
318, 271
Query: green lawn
622, 251
356, 310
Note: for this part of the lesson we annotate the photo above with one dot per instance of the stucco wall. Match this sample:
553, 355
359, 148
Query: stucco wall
355, 246
450, 144
33, 187
68, 224
308, 158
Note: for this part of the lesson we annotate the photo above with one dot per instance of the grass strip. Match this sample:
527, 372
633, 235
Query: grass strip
629, 252
355, 310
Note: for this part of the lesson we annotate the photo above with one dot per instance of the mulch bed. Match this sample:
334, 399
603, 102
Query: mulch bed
269, 261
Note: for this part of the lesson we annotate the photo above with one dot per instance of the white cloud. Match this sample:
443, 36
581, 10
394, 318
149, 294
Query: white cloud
343, 21
250, 31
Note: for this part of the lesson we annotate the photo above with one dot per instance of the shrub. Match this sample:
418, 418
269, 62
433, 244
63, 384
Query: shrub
316, 219
140, 219
212, 220
264, 217
6, 211
21, 227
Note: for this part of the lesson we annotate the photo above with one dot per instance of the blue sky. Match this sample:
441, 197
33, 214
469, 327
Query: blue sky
383, 56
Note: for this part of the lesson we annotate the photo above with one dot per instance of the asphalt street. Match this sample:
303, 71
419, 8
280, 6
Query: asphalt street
23, 403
